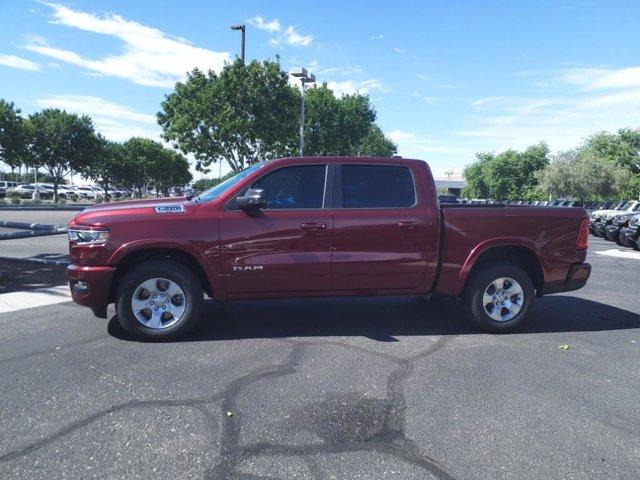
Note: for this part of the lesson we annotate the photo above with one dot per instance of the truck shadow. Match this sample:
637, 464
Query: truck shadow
386, 318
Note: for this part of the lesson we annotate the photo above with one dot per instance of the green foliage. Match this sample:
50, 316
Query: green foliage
622, 148
13, 139
170, 170
107, 166
147, 162
336, 126
206, 183
60, 142
582, 175
376, 144
243, 115
508, 175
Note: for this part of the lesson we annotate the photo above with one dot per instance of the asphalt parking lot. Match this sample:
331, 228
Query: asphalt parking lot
349, 388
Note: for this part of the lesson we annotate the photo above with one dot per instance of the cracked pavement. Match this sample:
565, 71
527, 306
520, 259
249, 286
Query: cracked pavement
346, 388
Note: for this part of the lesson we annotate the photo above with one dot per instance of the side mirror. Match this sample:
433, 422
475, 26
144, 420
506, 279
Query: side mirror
253, 200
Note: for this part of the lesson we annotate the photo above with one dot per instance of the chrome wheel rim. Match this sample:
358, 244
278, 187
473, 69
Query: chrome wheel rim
158, 303
503, 299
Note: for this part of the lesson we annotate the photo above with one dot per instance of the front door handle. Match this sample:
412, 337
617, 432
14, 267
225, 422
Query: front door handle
414, 224
313, 226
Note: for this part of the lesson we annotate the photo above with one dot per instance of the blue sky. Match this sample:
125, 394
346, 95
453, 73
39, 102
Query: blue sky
447, 79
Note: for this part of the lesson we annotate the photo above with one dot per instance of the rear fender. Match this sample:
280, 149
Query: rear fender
483, 247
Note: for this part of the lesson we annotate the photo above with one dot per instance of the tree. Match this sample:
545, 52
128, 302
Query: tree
376, 144
583, 176
243, 115
107, 166
169, 170
621, 149
508, 175
60, 142
203, 184
336, 126
140, 156
13, 139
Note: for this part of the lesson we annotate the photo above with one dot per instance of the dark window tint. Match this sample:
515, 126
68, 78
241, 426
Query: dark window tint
300, 186
377, 186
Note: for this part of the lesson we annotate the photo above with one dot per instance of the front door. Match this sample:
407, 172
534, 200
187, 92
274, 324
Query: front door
286, 247
384, 238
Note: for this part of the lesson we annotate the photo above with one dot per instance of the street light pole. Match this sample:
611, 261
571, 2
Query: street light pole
448, 174
305, 77
243, 30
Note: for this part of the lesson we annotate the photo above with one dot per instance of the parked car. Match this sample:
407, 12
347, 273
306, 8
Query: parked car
300, 227
6, 185
86, 193
447, 199
615, 221
26, 190
629, 235
596, 217
65, 192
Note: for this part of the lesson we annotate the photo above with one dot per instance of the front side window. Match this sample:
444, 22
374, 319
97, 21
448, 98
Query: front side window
377, 186
298, 186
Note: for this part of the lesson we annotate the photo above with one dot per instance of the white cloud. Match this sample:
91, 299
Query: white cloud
18, 62
398, 50
114, 121
380, 36
414, 145
280, 35
423, 77
151, 57
427, 99
261, 24
580, 102
349, 87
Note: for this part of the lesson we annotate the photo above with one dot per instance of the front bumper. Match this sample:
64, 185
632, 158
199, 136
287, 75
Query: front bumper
577, 277
630, 232
91, 286
612, 232
600, 229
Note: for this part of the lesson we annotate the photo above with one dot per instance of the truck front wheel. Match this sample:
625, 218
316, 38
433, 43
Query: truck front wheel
498, 296
159, 300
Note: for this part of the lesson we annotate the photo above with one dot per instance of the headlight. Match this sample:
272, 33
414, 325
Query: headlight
88, 237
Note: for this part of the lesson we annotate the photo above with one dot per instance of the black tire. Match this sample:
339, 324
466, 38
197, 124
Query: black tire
176, 272
478, 283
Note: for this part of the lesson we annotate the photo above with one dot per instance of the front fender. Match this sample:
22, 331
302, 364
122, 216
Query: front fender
129, 248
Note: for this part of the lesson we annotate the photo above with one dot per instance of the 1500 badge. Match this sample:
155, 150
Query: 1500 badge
247, 268
170, 209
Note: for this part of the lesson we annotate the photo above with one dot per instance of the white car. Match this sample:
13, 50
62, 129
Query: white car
87, 193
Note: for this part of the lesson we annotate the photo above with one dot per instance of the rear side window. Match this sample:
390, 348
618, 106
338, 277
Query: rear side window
377, 186
298, 186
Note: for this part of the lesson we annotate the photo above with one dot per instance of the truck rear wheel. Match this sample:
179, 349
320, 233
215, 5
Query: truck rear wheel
159, 300
498, 296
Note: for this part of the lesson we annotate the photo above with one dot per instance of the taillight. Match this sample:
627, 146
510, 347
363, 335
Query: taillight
582, 242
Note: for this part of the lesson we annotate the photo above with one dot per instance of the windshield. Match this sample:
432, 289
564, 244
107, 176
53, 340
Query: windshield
215, 192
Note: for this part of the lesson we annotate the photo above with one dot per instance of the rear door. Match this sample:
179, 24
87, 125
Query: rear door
286, 247
384, 237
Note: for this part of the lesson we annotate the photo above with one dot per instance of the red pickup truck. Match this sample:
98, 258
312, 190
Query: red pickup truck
319, 226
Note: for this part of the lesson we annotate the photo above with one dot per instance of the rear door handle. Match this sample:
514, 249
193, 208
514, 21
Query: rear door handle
313, 226
414, 224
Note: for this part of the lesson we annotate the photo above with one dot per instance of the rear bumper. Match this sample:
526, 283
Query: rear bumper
577, 277
90, 286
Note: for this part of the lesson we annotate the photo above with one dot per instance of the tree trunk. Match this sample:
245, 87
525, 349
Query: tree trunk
106, 193
55, 190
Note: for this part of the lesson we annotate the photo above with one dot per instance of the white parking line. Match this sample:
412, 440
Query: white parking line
614, 252
10, 302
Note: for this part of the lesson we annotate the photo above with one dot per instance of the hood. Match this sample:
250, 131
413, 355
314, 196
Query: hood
133, 210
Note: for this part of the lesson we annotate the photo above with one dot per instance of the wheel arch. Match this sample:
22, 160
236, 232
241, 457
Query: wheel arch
524, 255
124, 261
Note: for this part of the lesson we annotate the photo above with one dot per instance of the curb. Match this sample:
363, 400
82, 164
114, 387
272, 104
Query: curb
32, 208
41, 261
30, 226
32, 233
